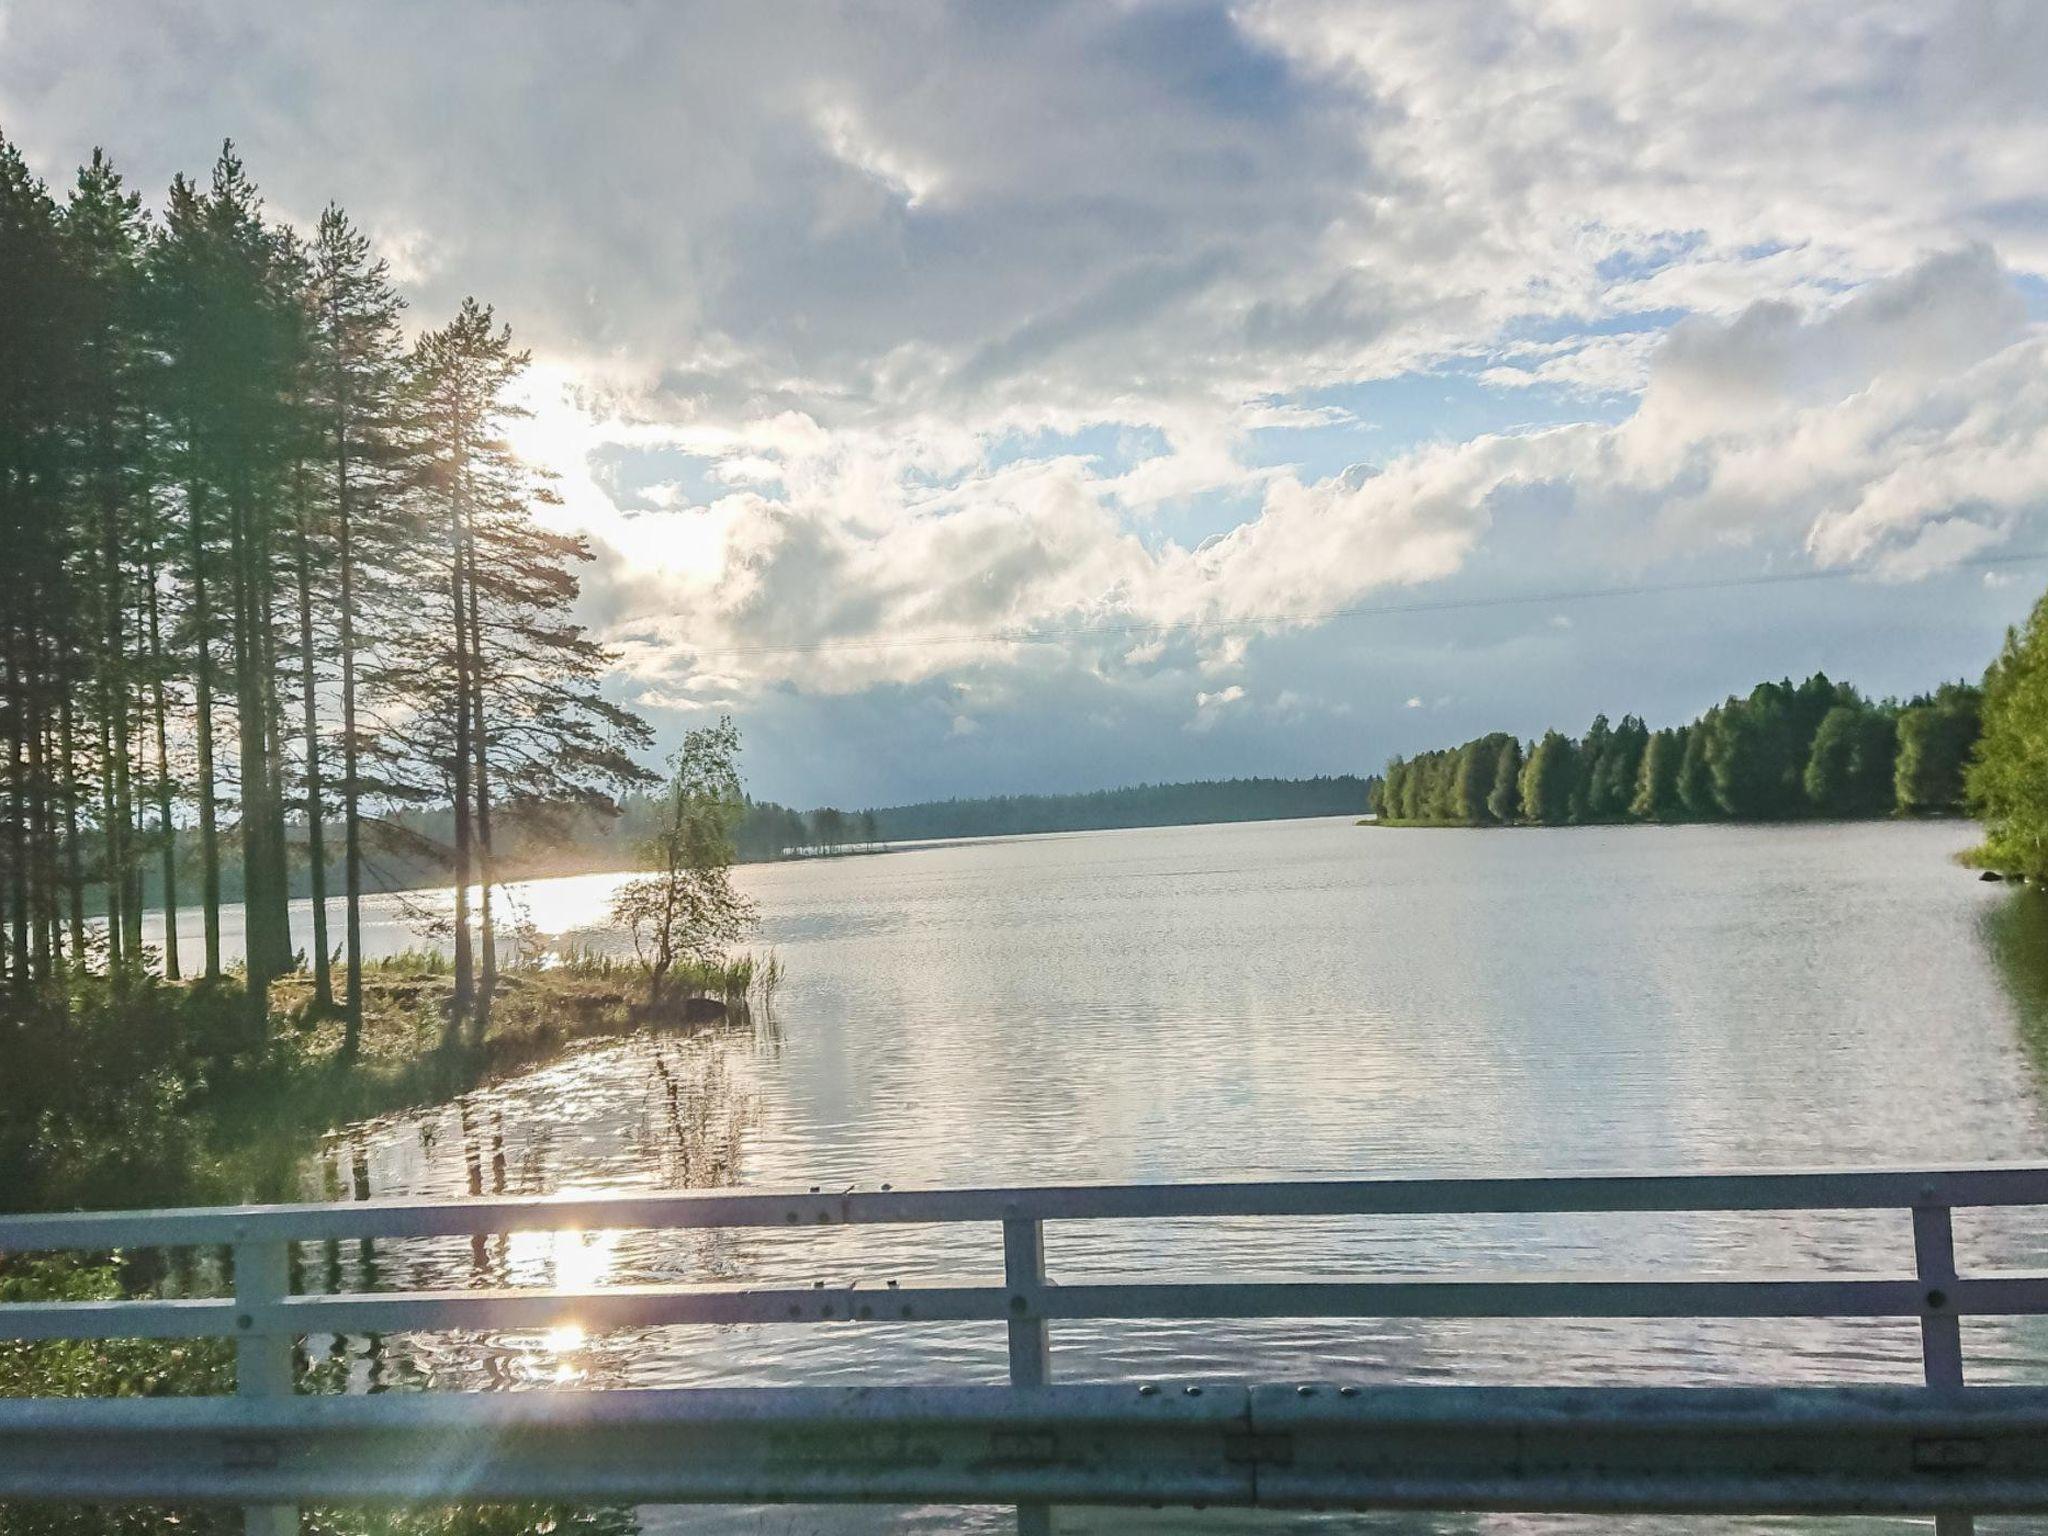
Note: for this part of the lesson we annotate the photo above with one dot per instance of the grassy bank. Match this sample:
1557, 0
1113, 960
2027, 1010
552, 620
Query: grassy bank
156, 1094
152, 1094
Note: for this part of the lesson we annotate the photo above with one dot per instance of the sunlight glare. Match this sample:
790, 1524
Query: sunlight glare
583, 1259
561, 435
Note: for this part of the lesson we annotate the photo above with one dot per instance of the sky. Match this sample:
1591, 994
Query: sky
1026, 397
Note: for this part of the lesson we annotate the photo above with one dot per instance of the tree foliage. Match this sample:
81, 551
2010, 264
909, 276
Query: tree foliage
687, 911
1936, 737
263, 564
2007, 782
1781, 751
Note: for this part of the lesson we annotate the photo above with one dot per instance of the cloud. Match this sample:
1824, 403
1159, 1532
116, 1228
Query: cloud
1592, 365
1702, 155
1210, 707
838, 318
1130, 212
1944, 314
1905, 427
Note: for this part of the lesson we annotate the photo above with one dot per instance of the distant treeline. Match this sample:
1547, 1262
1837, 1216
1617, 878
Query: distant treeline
407, 853
1817, 748
1139, 805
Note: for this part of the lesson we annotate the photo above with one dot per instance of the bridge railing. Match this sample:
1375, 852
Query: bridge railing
265, 1319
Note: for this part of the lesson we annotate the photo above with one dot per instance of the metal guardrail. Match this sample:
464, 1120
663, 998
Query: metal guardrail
1943, 1448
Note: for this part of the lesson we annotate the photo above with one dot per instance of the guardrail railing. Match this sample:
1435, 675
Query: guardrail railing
1942, 1448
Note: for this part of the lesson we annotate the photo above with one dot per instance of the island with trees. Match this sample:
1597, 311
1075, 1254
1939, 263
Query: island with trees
1782, 751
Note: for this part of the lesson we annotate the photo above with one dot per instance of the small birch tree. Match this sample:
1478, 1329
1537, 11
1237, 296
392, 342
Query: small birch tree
686, 912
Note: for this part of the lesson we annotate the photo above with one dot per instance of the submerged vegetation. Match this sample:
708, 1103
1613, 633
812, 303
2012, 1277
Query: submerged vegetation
1781, 752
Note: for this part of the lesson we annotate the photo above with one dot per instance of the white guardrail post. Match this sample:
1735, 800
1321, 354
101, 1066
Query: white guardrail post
1030, 1347
1941, 1329
263, 1355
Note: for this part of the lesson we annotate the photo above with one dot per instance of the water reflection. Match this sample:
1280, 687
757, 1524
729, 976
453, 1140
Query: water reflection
2016, 934
681, 1115
1267, 1001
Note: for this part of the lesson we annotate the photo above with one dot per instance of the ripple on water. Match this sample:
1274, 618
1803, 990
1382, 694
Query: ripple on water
1290, 999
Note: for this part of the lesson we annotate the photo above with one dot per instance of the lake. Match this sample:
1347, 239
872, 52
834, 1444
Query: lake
1263, 1000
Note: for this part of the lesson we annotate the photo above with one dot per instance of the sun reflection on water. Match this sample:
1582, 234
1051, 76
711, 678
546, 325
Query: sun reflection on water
577, 1261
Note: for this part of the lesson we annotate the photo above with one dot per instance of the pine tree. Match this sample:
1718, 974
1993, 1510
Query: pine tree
105, 234
40, 627
507, 687
1936, 736
354, 384
225, 303
1849, 769
1592, 750
177, 296
1620, 765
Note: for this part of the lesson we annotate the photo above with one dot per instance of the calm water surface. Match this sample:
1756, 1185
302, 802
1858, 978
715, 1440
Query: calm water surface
1265, 1000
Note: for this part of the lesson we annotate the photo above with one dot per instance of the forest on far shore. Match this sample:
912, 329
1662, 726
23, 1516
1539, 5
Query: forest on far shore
579, 840
1135, 805
1785, 750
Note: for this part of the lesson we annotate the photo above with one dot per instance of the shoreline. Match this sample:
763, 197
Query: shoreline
1411, 825
153, 905
226, 1124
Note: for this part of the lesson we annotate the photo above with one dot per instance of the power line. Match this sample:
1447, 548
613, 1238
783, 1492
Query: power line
1360, 611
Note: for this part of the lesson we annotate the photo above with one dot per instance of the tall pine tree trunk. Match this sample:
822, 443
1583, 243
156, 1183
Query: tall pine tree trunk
18, 824
465, 983
74, 854
351, 825
209, 821
114, 806
166, 825
316, 841
488, 942
116, 881
266, 936
134, 752
277, 867
42, 880
258, 944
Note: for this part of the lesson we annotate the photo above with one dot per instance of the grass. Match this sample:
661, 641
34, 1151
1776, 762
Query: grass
409, 1055
151, 1095
155, 1094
